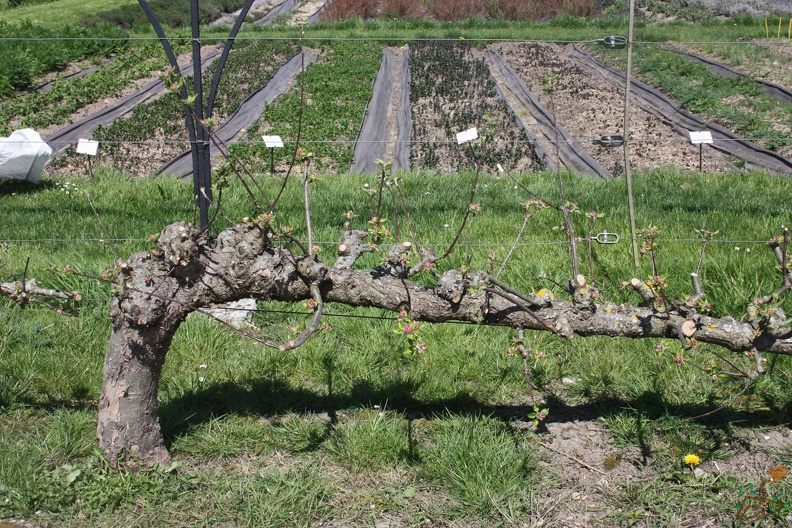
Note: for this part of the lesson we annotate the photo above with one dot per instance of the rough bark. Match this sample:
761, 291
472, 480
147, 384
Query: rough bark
155, 292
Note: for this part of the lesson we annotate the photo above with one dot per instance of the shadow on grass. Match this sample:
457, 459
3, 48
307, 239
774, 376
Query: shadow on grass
13, 186
271, 398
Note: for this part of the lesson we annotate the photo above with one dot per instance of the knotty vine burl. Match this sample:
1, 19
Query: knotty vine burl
154, 291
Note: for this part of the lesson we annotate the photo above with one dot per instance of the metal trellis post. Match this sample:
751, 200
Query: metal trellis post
194, 117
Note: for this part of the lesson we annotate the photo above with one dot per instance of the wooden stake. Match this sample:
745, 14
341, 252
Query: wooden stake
627, 173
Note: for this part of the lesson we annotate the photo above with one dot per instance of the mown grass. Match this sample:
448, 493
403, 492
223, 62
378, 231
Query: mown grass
347, 428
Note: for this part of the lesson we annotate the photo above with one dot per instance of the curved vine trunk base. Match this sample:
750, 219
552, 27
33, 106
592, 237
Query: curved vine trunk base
128, 425
155, 291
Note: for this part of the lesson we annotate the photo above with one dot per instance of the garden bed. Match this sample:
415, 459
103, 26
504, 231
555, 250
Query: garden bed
337, 89
452, 91
154, 133
590, 107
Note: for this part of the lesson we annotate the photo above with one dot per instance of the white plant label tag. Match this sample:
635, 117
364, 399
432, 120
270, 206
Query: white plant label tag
468, 135
272, 141
697, 138
87, 146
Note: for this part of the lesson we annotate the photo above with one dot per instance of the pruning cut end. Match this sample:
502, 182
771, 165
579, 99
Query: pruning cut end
689, 328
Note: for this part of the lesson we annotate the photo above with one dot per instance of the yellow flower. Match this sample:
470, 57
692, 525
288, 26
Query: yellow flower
692, 460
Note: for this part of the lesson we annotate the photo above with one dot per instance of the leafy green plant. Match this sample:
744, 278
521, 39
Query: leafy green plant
23, 60
40, 110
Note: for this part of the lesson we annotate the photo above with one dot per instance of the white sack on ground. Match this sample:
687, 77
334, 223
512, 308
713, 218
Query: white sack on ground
23, 155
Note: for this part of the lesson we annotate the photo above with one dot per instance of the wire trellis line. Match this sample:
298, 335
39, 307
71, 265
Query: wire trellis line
331, 243
186, 143
390, 38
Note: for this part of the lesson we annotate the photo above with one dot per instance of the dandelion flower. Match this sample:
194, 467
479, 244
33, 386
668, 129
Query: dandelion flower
692, 460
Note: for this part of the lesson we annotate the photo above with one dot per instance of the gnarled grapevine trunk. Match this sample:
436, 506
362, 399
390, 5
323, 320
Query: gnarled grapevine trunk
155, 292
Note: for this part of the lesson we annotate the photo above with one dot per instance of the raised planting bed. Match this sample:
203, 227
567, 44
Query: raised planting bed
452, 91
62, 96
741, 151
727, 72
739, 104
337, 89
246, 113
152, 134
767, 60
589, 107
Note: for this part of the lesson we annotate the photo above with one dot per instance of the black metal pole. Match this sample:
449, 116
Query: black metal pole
701, 155
199, 135
224, 56
188, 118
202, 174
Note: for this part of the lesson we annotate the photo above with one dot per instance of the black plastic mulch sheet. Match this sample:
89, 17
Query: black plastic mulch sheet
280, 9
248, 111
60, 140
374, 138
683, 121
722, 70
315, 18
514, 92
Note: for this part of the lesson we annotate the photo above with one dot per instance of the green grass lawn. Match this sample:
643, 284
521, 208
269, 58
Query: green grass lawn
58, 13
347, 428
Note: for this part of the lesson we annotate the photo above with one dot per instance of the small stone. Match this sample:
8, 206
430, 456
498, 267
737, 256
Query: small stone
698, 473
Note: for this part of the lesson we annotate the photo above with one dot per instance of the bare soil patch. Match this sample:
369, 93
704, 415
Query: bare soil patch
590, 107
305, 11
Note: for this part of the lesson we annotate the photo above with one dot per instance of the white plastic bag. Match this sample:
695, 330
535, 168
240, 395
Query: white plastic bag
23, 155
